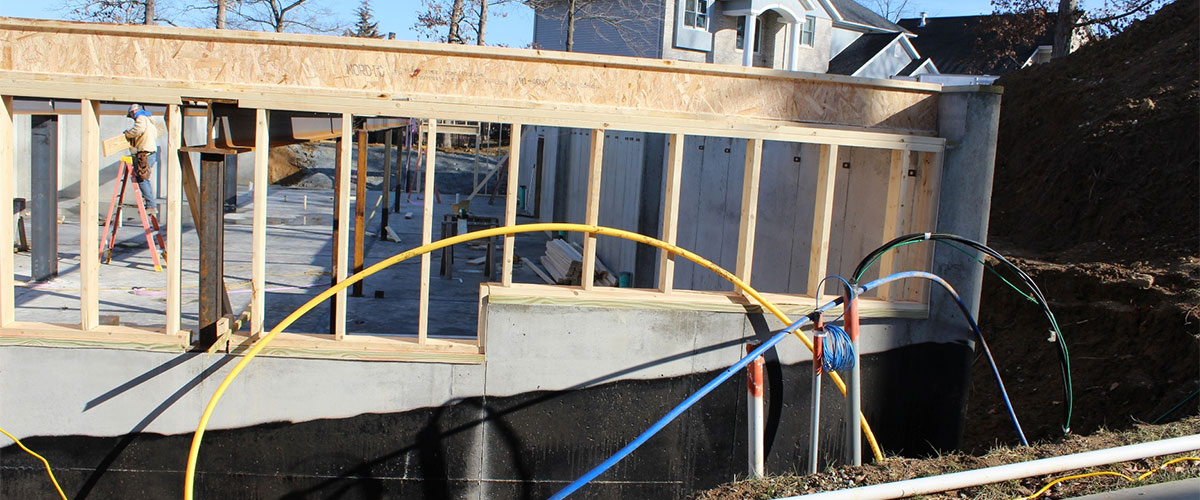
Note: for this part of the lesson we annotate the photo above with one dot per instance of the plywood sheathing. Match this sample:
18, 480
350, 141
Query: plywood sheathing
245, 63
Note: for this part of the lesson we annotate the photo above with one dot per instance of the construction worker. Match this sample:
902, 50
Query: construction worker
143, 136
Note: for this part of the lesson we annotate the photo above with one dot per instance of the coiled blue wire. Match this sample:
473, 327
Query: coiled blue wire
838, 350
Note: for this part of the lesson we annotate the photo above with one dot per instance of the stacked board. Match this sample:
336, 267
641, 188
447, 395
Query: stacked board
564, 261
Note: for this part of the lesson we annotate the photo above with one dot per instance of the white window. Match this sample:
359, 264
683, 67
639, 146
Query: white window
695, 14
808, 30
741, 33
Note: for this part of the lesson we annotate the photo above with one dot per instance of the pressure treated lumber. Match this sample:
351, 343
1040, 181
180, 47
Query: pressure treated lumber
237, 62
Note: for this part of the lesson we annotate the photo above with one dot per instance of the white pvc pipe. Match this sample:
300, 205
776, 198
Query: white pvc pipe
755, 413
958, 480
814, 432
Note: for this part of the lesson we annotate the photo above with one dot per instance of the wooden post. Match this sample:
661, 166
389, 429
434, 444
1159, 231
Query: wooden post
897, 172
592, 214
822, 218
384, 209
670, 231
745, 257
7, 174
341, 227
174, 218
258, 252
360, 210
510, 202
427, 231
89, 214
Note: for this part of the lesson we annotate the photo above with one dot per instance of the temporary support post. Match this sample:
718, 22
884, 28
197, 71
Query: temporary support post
387, 182
510, 202
192, 189
89, 214
670, 227
745, 256
212, 245
755, 412
360, 211
592, 214
822, 218
814, 418
7, 175
258, 259
174, 217
427, 231
853, 386
44, 191
897, 172
341, 228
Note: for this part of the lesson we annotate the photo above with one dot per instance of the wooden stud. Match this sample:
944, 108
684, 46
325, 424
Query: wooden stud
510, 202
258, 259
745, 256
427, 231
360, 211
822, 218
670, 226
592, 215
341, 220
89, 213
897, 172
7, 176
174, 219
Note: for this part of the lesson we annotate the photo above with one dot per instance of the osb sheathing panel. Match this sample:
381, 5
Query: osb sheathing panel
486, 76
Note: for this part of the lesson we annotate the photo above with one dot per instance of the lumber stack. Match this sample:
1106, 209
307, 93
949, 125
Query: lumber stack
564, 261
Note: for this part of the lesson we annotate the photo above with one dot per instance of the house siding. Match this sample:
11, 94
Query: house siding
638, 34
887, 63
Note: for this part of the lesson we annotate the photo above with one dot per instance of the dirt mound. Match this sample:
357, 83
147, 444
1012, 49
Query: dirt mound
1098, 152
289, 164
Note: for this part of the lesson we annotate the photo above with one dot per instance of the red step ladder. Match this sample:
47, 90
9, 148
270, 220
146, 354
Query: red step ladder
108, 240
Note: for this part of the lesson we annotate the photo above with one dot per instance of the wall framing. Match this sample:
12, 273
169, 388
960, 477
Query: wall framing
434, 82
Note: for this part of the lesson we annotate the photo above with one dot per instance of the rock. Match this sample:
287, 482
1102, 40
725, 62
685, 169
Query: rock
1141, 280
316, 181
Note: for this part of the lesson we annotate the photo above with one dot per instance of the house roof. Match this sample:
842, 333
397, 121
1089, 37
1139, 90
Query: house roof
950, 42
853, 12
860, 52
913, 66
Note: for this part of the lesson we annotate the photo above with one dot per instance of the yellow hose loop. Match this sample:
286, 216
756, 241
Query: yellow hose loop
189, 480
39, 457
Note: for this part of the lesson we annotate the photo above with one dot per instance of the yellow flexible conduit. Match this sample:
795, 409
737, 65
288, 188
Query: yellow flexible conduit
189, 480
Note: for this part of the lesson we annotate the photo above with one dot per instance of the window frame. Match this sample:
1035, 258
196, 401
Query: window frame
740, 36
808, 31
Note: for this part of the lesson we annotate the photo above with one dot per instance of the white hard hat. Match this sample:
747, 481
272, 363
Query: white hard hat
133, 108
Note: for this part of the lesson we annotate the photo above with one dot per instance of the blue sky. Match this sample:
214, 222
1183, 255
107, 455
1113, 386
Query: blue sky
514, 30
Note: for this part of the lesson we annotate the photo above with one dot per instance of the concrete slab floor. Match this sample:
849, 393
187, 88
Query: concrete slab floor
299, 258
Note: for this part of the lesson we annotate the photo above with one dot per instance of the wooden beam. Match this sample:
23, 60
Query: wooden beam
592, 214
89, 214
510, 202
490, 77
427, 231
822, 219
670, 226
746, 228
341, 230
360, 210
7, 178
258, 249
174, 220
897, 172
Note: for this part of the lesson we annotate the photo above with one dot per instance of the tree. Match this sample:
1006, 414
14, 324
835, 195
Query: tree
366, 26
462, 21
286, 15
113, 11
1019, 22
892, 10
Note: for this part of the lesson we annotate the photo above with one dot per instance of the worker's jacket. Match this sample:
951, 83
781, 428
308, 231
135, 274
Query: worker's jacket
143, 135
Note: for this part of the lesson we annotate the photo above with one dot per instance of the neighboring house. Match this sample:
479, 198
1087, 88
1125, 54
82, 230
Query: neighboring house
952, 42
821, 36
